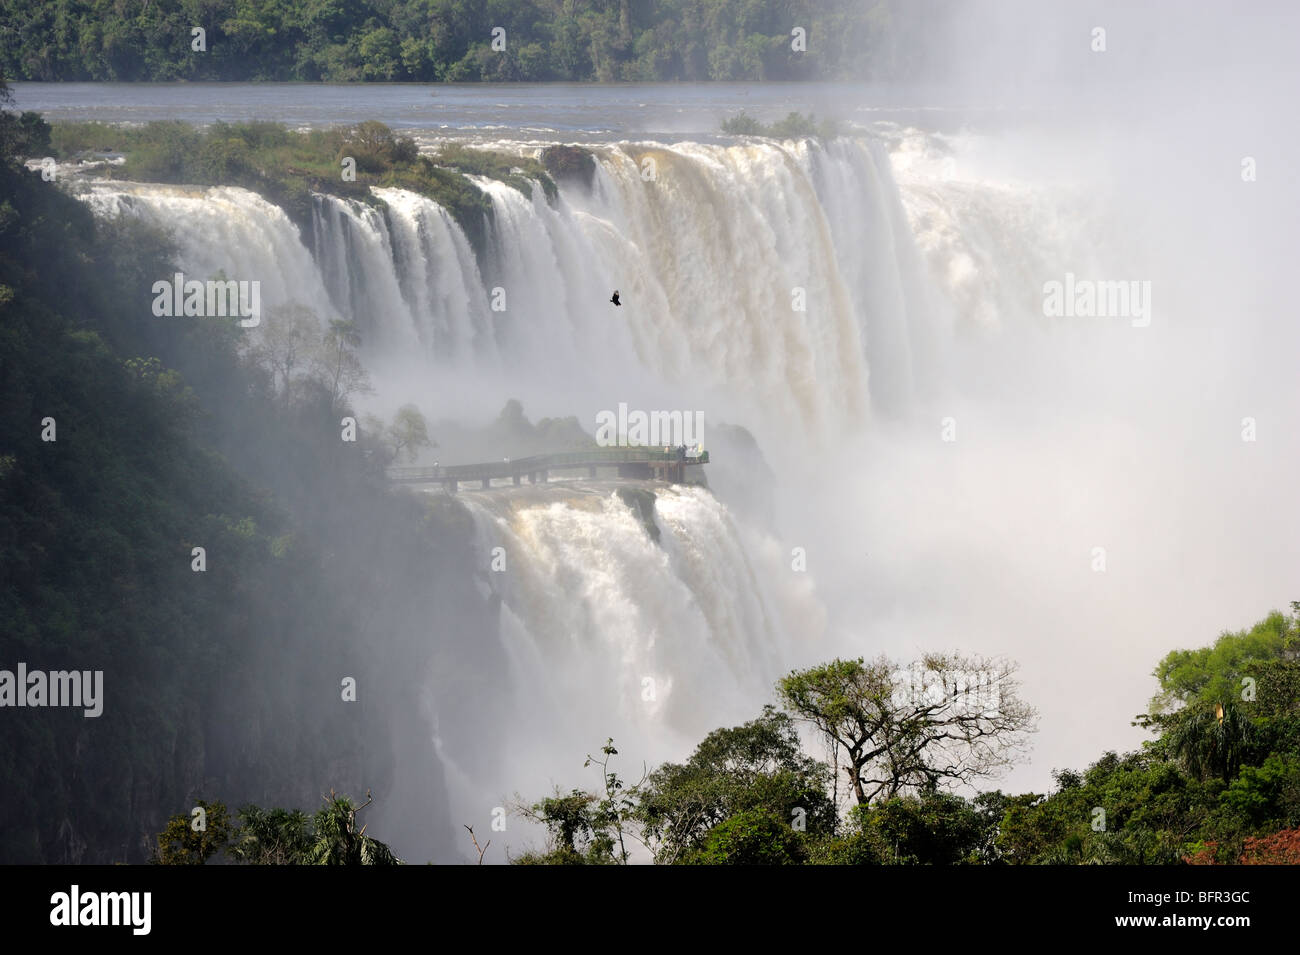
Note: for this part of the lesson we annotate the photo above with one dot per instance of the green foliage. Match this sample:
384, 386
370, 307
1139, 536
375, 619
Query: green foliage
793, 126
751, 837
1211, 739
1214, 674
743, 124
275, 837
616, 805
188, 840
934, 828
286, 166
375, 148
1276, 707
470, 207
1133, 809
1267, 796
450, 40
796, 125
579, 834
517, 171
1277, 695
754, 768
73, 139
855, 848
585, 828
167, 151
26, 135
336, 840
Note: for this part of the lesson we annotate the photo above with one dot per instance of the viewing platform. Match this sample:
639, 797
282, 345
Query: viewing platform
653, 463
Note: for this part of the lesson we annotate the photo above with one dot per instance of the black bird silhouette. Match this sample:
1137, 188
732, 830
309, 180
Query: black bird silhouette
615, 298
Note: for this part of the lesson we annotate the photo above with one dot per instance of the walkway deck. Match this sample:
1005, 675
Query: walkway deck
667, 465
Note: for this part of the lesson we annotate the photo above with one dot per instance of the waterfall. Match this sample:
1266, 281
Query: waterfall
803, 290
782, 279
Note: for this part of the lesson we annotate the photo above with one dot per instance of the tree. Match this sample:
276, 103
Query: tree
1210, 739
181, 843
585, 828
26, 135
1130, 809
1276, 708
852, 848
338, 841
290, 339
577, 833
272, 836
1213, 674
752, 837
617, 804
1266, 795
372, 144
342, 40
380, 54
794, 126
408, 432
344, 373
275, 837
754, 768
946, 719
932, 828
744, 124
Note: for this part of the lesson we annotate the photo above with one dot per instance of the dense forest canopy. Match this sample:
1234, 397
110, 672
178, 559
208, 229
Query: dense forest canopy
454, 40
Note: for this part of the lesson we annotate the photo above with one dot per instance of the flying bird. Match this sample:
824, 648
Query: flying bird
614, 299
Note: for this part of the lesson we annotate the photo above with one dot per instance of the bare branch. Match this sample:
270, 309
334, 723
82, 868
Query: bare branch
476, 845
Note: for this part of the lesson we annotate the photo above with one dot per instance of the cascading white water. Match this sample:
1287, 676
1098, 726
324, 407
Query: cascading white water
220, 229
405, 273
412, 286
991, 241
607, 632
439, 278
588, 584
